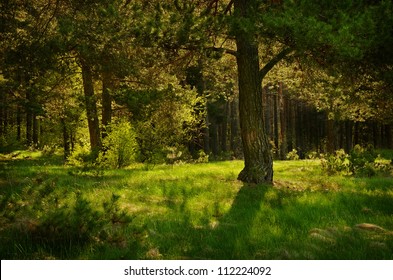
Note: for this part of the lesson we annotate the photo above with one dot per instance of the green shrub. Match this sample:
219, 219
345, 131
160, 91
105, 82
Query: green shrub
48, 150
120, 147
85, 161
80, 156
293, 155
361, 161
338, 162
202, 157
313, 155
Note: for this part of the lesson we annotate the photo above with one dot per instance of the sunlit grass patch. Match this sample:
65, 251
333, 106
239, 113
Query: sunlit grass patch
192, 211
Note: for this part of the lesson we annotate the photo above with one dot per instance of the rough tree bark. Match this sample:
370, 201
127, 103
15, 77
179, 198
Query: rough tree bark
257, 155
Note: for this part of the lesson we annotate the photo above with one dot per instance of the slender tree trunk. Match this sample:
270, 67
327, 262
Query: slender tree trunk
348, 136
213, 133
299, 128
234, 127
29, 119
6, 121
389, 137
257, 155
377, 135
224, 128
36, 129
3, 102
18, 124
283, 124
91, 107
107, 88
206, 133
292, 124
276, 123
66, 139
331, 138
356, 134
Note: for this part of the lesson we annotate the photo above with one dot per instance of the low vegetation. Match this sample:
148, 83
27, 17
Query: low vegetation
183, 211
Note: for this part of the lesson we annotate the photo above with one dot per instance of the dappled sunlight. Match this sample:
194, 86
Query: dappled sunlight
202, 212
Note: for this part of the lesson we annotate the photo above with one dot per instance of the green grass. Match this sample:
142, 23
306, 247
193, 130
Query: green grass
200, 211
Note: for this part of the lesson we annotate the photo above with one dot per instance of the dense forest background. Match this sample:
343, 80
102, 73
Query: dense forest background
106, 106
120, 81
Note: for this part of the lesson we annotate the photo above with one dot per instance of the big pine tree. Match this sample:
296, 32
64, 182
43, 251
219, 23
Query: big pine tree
332, 35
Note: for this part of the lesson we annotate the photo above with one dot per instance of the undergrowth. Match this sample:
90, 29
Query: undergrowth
360, 161
56, 222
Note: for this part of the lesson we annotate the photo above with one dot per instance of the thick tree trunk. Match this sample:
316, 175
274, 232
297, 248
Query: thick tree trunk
257, 155
91, 107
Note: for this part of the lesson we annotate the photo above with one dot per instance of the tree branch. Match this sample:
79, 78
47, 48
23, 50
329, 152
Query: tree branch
229, 7
268, 66
224, 50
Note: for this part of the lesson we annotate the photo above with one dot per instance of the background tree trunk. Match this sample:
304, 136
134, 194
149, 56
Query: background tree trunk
330, 135
91, 107
18, 124
66, 138
107, 88
283, 146
36, 130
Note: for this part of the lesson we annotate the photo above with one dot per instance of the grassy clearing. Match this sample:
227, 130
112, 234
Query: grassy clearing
200, 211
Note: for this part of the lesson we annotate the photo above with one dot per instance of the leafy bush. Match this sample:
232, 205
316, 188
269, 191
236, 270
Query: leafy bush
361, 161
202, 157
339, 162
80, 156
313, 155
85, 161
48, 150
293, 155
164, 120
150, 143
120, 147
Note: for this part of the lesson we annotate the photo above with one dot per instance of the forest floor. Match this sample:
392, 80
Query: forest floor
191, 211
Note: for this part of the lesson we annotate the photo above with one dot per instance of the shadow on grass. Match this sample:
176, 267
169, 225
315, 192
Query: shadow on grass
215, 235
266, 223
262, 222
